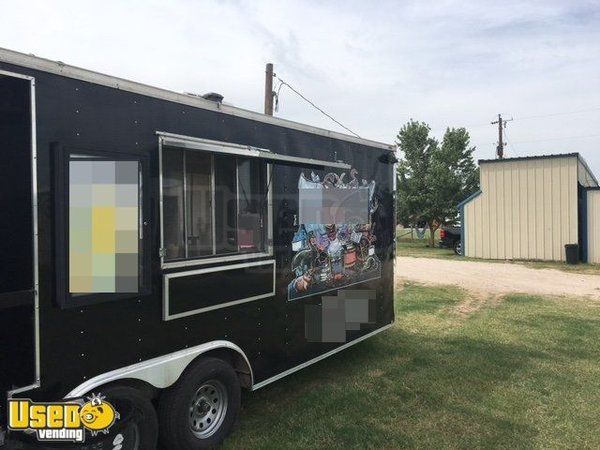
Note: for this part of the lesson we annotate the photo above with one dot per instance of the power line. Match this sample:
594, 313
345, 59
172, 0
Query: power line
544, 140
284, 83
541, 116
560, 138
512, 147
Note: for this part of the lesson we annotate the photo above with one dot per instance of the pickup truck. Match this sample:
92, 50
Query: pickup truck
450, 238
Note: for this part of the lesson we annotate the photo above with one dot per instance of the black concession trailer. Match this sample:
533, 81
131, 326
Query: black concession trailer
162, 251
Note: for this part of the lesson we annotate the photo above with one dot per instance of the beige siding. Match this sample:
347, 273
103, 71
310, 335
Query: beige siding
593, 226
585, 177
527, 210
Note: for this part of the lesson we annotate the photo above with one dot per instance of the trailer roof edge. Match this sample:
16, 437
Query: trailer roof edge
60, 68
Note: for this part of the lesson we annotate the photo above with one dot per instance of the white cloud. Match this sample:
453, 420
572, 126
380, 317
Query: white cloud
372, 65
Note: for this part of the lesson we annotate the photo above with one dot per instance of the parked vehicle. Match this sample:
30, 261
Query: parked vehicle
163, 249
450, 237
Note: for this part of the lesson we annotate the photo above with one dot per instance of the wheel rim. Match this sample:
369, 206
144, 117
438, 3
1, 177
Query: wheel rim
207, 409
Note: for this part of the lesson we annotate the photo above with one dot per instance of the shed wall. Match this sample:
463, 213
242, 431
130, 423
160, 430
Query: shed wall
527, 210
593, 225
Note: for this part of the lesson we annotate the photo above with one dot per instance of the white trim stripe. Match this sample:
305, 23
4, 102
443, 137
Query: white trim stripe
319, 358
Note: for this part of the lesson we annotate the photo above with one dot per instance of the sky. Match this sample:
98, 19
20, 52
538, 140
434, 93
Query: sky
371, 65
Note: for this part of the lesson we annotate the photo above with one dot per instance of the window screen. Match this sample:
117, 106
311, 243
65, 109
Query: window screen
104, 217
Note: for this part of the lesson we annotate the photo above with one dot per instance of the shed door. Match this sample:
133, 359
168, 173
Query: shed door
17, 271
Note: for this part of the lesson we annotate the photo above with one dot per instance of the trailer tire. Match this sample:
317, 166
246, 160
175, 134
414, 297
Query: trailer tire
458, 248
136, 429
136, 410
199, 410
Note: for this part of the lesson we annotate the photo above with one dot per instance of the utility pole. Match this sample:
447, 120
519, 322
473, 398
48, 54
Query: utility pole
269, 90
501, 125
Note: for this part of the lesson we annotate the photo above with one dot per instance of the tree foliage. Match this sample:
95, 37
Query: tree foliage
432, 177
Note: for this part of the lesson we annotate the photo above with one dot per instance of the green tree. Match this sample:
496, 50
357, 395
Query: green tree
433, 178
416, 147
451, 178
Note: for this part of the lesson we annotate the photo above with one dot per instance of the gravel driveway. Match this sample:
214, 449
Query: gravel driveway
497, 278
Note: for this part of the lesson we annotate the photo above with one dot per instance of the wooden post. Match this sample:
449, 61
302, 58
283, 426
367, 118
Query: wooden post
269, 90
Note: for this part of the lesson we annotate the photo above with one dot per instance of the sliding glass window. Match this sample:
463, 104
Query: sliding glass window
198, 204
213, 205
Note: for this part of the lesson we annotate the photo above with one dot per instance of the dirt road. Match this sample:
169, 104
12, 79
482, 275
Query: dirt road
497, 278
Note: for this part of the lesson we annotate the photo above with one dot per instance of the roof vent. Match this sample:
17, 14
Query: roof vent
213, 97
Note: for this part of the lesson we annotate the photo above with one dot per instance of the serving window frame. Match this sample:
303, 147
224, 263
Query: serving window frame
215, 258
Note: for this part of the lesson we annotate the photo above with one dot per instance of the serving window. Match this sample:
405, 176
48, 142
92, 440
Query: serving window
213, 205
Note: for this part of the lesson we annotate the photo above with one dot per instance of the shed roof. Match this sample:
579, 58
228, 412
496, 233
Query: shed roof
588, 175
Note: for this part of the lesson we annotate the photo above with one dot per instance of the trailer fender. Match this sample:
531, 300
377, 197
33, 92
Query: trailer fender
160, 372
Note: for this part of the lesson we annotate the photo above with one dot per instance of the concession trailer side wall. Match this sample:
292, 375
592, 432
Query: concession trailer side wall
146, 232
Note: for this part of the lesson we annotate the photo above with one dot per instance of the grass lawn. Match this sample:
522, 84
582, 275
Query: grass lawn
419, 249
522, 373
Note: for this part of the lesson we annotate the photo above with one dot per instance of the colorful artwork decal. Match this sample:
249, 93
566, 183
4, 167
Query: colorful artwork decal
103, 226
334, 255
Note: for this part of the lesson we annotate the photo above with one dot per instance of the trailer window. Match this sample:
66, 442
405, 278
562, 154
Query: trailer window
213, 205
104, 215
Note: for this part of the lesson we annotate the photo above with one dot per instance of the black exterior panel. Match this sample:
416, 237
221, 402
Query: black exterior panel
196, 291
79, 343
16, 225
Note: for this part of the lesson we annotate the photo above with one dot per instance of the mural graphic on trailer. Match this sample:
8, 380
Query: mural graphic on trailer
334, 255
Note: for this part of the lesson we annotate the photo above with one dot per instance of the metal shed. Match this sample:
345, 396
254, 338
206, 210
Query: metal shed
530, 208
592, 221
